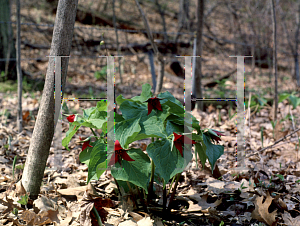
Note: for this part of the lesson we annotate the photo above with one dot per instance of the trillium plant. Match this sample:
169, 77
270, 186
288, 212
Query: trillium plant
160, 119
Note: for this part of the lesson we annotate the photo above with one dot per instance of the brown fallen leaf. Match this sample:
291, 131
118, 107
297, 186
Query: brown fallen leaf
136, 217
45, 217
202, 204
261, 212
89, 200
78, 191
289, 220
66, 221
278, 133
25, 116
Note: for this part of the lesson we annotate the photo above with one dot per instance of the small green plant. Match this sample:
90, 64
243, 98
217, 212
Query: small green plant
262, 136
242, 187
101, 74
15, 211
14, 164
23, 200
281, 177
273, 126
295, 101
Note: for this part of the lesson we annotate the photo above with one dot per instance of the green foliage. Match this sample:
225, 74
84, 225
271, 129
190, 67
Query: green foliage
137, 122
101, 75
23, 200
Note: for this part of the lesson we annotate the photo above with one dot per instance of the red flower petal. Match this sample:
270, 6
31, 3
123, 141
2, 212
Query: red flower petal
153, 103
150, 107
118, 145
177, 136
218, 133
71, 118
187, 140
178, 145
126, 157
216, 138
114, 159
86, 144
179, 141
157, 104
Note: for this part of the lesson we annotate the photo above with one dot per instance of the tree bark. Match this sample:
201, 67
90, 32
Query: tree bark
160, 58
117, 40
274, 59
198, 69
44, 128
7, 45
19, 71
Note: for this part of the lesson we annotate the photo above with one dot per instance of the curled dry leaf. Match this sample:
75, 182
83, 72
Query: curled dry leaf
289, 220
261, 212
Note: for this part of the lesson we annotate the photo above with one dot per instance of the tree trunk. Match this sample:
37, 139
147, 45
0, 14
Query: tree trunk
44, 128
274, 59
19, 71
198, 69
117, 40
7, 45
297, 74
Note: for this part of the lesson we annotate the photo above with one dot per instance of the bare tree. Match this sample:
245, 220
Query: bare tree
161, 10
183, 17
19, 71
117, 40
293, 44
7, 46
45, 124
160, 58
274, 58
198, 69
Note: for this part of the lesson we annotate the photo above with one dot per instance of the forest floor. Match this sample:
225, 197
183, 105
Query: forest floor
267, 194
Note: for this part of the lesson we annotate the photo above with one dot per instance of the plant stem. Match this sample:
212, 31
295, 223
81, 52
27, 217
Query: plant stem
174, 191
164, 197
132, 195
171, 185
142, 199
150, 188
97, 216
94, 133
118, 187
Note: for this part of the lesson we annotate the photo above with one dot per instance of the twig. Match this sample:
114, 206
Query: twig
249, 115
293, 123
276, 142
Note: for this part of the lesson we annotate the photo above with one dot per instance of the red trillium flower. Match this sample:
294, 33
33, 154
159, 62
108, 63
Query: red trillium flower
85, 144
153, 103
179, 141
216, 138
71, 118
119, 154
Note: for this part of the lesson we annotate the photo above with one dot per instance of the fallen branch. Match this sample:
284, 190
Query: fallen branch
276, 142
